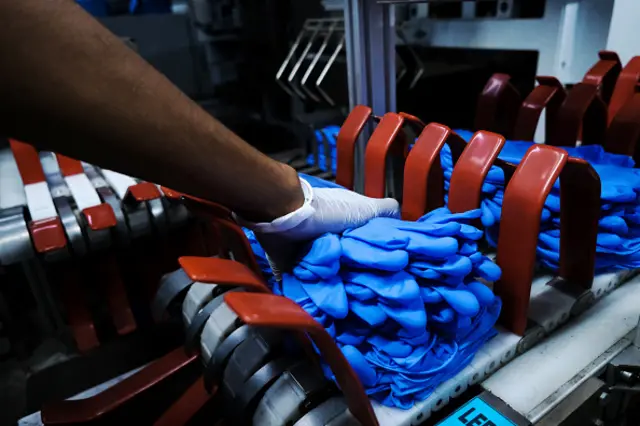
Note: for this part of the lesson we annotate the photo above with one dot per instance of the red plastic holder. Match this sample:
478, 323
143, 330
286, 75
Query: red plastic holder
520, 225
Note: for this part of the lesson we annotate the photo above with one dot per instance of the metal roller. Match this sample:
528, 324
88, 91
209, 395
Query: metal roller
255, 387
137, 214
218, 360
222, 322
15, 243
197, 296
176, 213
171, 286
60, 194
109, 197
158, 215
97, 239
253, 365
195, 327
296, 392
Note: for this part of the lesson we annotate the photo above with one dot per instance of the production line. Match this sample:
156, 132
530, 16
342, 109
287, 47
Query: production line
250, 371
506, 293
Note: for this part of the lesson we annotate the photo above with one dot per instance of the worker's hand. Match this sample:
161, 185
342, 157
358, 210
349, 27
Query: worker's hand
325, 210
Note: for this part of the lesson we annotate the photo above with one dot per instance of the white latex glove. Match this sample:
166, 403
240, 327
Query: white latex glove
324, 210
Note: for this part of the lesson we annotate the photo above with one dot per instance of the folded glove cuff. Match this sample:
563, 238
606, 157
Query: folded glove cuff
288, 221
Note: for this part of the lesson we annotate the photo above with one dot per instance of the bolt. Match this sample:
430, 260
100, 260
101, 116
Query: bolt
604, 398
626, 376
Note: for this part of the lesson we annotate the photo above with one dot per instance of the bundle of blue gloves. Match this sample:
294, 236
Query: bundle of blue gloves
328, 135
401, 299
618, 244
405, 301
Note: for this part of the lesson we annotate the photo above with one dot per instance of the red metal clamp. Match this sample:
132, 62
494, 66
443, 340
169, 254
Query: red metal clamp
171, 194
623, 135
218, 271
346, 144
423, 189
45, 226
221, 271
73, 296
471, 169
604, 74
520, 224
424, 182
93, 408
144, 191
229, 236
215, 271
625, 87
98, 215
497, 106
266, 310
189, 403
582, 112
48, 235
549, 94
387, 138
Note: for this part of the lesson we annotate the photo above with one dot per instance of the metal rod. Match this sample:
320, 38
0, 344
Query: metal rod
371, 55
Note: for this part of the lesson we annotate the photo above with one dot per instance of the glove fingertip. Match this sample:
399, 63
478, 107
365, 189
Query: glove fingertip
388, 207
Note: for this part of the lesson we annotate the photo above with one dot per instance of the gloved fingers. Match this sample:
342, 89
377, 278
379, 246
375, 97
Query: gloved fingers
359, 292
363, 369
362, 255
461, 301
370, 313
483, 293
328, 295
326, 210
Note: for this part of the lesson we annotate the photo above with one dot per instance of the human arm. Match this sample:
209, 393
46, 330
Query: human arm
69, 85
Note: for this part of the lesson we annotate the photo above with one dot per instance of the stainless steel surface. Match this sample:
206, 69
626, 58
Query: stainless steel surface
97, 240
563, 360
122, 236
573, 389
138, 220
370, 47
61, 197
177, 214
156, 209
71, 228
109, 197
11, 188
15, 242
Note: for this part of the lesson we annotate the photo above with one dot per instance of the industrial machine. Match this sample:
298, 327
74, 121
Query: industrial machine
122, 300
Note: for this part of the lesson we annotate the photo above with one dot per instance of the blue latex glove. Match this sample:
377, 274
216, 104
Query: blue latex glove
403, 335
399, 287
362, 255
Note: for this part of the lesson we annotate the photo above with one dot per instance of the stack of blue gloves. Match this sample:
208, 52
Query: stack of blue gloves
618, 244
401, 299
330, 133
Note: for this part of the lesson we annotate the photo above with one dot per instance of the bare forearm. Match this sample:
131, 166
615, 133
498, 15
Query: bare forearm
70, 86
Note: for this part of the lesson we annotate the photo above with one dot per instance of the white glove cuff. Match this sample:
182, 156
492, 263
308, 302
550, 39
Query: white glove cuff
288, 221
